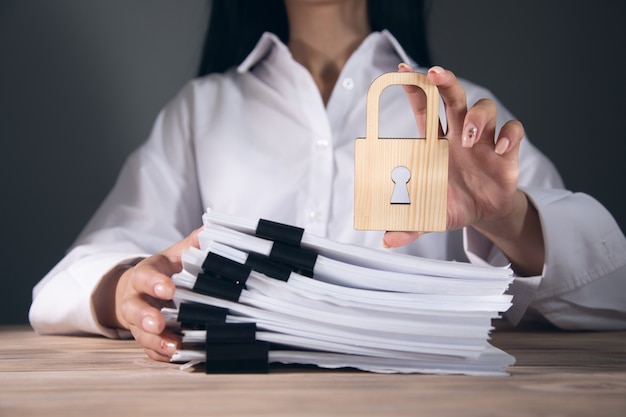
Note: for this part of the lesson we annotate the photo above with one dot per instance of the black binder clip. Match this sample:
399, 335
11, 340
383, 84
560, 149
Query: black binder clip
269, 267
287, 247
279, 232
197, 316
301, 260
226, 269
232, 348
214, 286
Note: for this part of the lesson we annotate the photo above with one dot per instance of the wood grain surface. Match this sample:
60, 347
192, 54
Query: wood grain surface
425, 159
556, 374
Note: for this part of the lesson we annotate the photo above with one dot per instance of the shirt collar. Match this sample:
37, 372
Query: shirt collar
268, 41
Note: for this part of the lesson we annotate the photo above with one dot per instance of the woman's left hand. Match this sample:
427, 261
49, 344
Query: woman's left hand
483, 166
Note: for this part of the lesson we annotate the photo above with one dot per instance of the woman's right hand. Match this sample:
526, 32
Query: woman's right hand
143, 290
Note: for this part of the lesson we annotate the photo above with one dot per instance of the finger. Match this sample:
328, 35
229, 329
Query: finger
152, 276
159, 347
175, 251
417, 100
139, 312
480, 123
509, 139
453, 96
397, 239
156, 356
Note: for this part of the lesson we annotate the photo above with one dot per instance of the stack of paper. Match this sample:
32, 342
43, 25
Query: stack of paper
259, 292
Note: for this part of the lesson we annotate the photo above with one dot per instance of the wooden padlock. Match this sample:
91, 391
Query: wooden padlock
401, 184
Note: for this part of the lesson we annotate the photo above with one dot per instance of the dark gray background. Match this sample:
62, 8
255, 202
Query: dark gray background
81, 82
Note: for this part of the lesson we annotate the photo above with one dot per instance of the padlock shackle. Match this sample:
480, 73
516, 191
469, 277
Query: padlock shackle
403, 78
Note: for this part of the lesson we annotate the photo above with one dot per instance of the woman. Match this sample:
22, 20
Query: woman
273, 137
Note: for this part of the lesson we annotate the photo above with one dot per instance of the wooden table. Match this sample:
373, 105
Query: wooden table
557, 374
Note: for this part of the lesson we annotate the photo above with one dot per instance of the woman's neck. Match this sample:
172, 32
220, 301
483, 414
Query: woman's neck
323, 35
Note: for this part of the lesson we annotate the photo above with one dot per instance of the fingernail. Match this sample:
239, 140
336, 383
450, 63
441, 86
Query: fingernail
164, 292
437, 69
168, 347
469, 137
405, 67
149, 324
502, 145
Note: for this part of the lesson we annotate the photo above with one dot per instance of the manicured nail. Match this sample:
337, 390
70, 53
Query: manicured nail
164, 292
502, 145
437, 69
168, 347
405, 67
149, 324
469, 137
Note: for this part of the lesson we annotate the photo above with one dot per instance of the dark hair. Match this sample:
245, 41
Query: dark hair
236, 25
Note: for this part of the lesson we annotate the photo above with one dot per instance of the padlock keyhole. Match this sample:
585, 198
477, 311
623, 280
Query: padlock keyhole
400, 175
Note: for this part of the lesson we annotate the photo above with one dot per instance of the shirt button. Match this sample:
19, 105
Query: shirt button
347, 83
321, 144
314, 216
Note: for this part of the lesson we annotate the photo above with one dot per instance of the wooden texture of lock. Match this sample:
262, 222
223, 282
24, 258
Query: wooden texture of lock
426, 160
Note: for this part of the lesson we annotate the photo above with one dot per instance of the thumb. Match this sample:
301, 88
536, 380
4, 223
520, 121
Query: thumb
174, 252
397, 239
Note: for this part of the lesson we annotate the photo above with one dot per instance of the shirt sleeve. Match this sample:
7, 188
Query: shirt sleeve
583, 284
584, 279
154, 203
62, 300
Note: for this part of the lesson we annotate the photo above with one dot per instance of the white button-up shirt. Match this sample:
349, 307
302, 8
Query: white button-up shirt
258, 142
